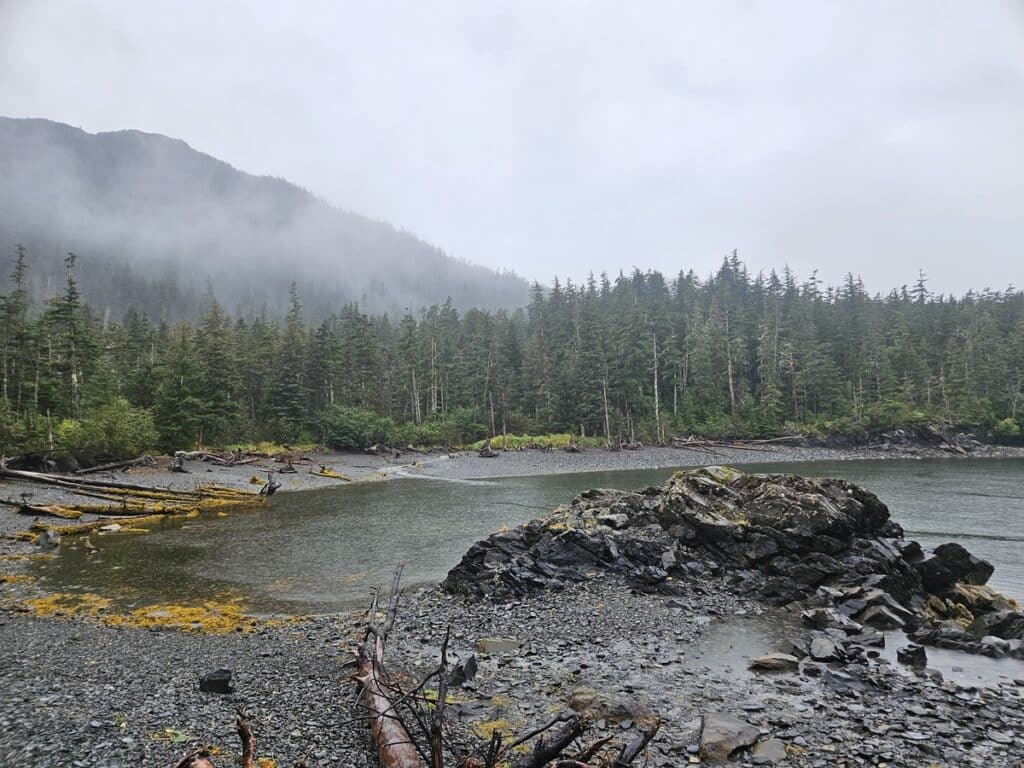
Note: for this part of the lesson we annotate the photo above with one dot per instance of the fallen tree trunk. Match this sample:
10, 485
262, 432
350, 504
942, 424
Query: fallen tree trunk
148, 461
395, 748
48, 510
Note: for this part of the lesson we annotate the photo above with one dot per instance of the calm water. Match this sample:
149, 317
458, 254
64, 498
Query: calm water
322, 550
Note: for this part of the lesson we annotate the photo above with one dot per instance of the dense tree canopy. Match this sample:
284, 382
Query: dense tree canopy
733, 354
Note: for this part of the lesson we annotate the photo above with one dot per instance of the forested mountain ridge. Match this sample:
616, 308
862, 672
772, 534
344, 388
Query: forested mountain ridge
639, 356
154, 222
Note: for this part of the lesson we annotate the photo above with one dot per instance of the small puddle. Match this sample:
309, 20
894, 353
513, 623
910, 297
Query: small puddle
960, 667
729, 641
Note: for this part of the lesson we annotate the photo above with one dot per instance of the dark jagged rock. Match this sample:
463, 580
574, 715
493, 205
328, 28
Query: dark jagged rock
826, 547
913, 656
1005, 624
218, 681
949, 564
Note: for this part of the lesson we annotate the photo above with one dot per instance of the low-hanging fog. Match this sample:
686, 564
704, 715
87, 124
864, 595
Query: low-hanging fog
874, 138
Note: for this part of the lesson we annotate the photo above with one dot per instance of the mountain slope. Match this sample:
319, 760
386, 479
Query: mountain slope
157, 224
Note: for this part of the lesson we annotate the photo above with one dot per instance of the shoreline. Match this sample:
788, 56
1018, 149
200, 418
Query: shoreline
16, 538
630, 652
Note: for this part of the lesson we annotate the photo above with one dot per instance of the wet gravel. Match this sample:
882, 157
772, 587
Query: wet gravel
678, 658
73, 693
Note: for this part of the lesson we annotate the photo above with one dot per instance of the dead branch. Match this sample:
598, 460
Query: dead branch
547, 750
634, 748
247, 739
437, 721
199, 758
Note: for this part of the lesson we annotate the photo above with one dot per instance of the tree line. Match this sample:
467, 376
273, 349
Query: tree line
634, 358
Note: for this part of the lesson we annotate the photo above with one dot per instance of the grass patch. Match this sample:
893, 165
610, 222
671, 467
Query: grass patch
519, 442
271, 449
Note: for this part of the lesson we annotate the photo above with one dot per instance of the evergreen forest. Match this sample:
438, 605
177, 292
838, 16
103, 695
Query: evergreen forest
638, 357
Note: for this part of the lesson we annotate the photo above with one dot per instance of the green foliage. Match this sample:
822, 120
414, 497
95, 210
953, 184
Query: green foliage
638, 357
1007, 428
346, 428
117, 430
554, 441
891, 414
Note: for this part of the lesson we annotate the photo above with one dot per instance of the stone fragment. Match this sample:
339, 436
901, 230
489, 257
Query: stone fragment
497, 645
912, 655
721, 735
768, 752
774, 662
881, 617
217, 681
464, 672
823, 649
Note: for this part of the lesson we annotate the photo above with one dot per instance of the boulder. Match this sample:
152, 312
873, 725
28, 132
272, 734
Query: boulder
824, 545
949, 564
217, 681
722, 735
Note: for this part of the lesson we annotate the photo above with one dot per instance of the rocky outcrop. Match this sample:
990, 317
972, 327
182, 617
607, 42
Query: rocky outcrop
823, 546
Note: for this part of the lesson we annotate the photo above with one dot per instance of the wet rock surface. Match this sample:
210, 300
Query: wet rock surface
826, 544
829, 553
655, 611
75, 694
634, 655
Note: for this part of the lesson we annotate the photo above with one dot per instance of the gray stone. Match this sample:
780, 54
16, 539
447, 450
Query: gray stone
598, 705
218, 681
913, 656
721, 735
823, 649
881, 617
774, 662
497, 645
768, 752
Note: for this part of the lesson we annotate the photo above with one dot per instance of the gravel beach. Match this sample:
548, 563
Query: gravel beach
75, 691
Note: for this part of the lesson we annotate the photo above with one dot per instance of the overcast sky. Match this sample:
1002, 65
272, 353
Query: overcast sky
548, 137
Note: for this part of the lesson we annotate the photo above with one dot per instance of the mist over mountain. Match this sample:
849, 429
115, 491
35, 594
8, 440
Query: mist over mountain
158, 226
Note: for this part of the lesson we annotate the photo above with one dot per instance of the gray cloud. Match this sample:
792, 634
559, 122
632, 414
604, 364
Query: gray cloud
872, 137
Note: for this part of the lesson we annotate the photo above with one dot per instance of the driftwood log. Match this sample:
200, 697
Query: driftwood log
395, 747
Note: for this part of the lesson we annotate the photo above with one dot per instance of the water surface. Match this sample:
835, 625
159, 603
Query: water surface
322, 550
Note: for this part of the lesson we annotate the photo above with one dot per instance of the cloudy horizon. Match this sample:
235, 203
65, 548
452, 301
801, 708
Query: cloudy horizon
872, 138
